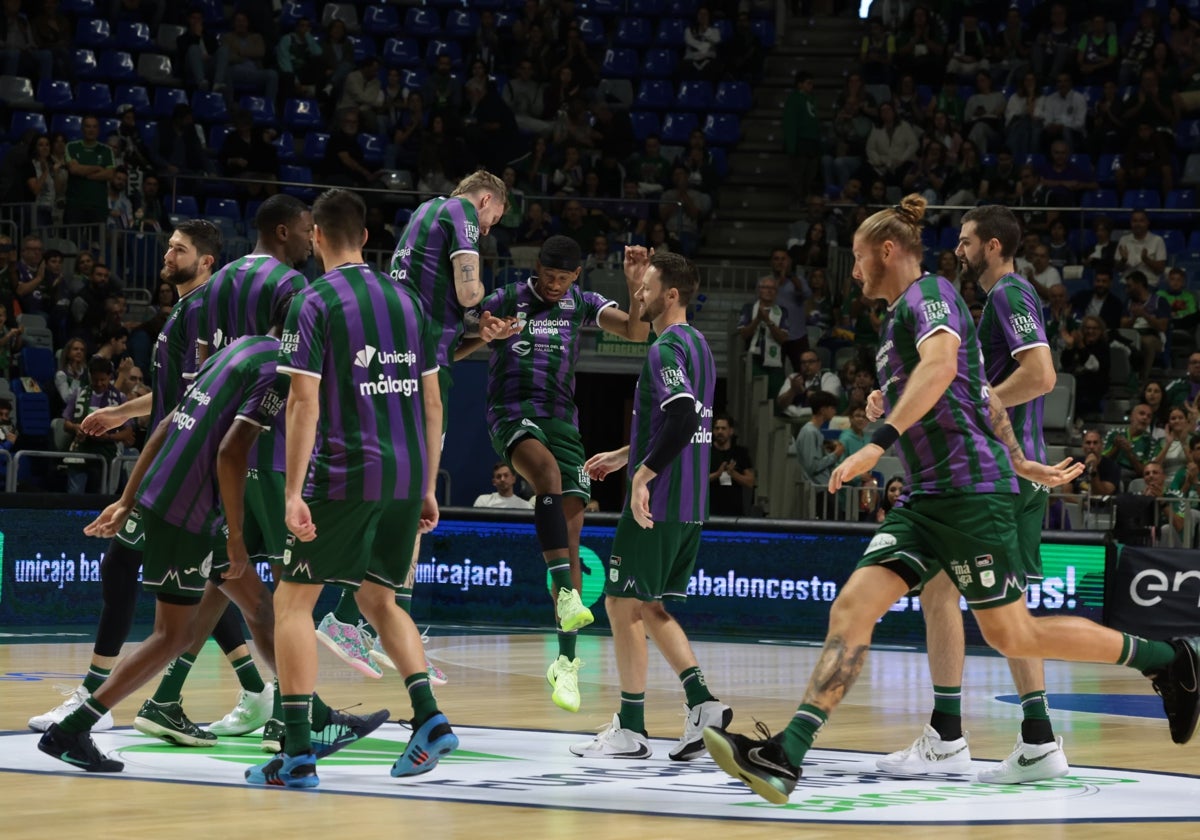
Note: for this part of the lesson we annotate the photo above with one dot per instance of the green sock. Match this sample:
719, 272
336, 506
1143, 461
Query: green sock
947, 699
248, 675
633, 711
95, 678
1034, 706
404, 599
566, 643
297, 717
800, 732
1036, 728
420, 692
346, 610
320, 713
695, 687
170, 687
85, 717
560, 574
277, 704
1145, 655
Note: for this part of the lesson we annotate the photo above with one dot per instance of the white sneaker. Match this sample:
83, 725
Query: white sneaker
251, 712
75, 698
614, 742
1029, 763
929, 754
563, 676
712, 713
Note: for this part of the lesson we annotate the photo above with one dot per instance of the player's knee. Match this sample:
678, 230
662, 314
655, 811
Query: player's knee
1010, 639
622, 609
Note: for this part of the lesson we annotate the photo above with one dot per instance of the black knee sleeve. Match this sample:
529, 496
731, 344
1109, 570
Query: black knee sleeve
549, 522
228, 632
119, 588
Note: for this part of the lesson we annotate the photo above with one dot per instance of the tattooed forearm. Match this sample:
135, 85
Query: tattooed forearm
1003, 429
836, 671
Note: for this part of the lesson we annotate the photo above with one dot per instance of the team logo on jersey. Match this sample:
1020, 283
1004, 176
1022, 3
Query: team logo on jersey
364, 356
289, 342
1022, 324
935, 310
987, 578
471, 231
880, 541
983, 560
271, 404
218, 338
521, 348
567, 303
206, 565
673, 377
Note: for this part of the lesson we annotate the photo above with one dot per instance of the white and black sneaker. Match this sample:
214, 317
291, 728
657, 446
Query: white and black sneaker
614, 742
1029, 763
712, 713
761, 764
929, 754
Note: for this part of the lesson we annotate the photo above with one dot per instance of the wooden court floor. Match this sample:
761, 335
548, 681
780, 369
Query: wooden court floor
499, 681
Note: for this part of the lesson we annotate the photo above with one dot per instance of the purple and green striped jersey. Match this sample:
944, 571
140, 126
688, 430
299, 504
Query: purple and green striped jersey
360, 334
438, 230
532, 374
678, 366
952, 448
239, 382
174, 357
1012, 322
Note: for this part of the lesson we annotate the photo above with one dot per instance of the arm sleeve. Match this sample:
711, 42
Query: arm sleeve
676, 432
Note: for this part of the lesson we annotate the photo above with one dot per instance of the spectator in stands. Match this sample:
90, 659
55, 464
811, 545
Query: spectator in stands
1106, 124
629, 218
905, 100
683, 210
1148, 104
968, 51
601, 256
743, 54
1104, 253
298, 56
87, 308
1064, 114
8, 271
52, 32
90, 166
651, 168
36, 290
504, 481
701, 53
1054, 46
98, 393
891, 147
534, 49
1032, 195
1138, 46
536, 227
10, 342
1043, 275
1185, 390
249, 153
1099, 300
1182, 38
1134, 447
1172, 454
578, 225
567, 177
999, 183
113, 338
854, 114
1023, 119
19, 49
819, 307
661, 239
404, 152
731, 471
1062, 324
505, 231
1010, 51
1185, 314
1096, 53
1101, 475
1149, 315
338, 57
39, 177
149, 203
802, 136
1147, 162
246, 51
488, 46
344, 163
574, 54
180, 146
921, 49
813, 252
8, 438
1140, 250
120, 209
888, 498
928, 174
201, 55
943, 131
144, 11
816, 456
1061, 252
983, 114
525, 95
443, 92
1153, 395
1186, 486
763, 326
796, 394
363, 92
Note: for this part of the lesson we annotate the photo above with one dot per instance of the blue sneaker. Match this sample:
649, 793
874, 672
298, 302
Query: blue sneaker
299, 771
433, 740
344, 729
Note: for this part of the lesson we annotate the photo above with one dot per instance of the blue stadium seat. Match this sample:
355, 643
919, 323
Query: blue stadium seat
620, 63
764, 29
677, 128
315, 143
718, 159
401, 52
33, 414
437, 47
227, 207
412, 78
682, 8
78, 8
462, 24
1193, 243
117, 66
261, 111
634, 32
723, 129
733, 96
380, 20
422, 23
302, 115
1180, 200
133, 36
504, 20
659, 63
670, 32
1097, 198
1187, 135
403, 214
1174, 242
84, 65
1106, 169
55, 94
644, 123
93, 33
184, 205
725, 27
95, 98
293, 10
654, 95
1084, 162
23, 121
135, 95
1145, 199
607, 7
209, 107
251, 211
372, 146
591, 30
68, 125
165, 100
300, 175
148, 130
947, 239
694, 95
217, 135
109, 126
38, 363
285, 146
363, 46
213, 11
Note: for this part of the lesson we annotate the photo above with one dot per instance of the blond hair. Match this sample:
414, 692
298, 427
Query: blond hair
901, 223
483, 181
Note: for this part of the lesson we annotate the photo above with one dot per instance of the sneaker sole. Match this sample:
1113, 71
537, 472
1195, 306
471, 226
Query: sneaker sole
366, 668
948, 767
382, 659
271, 747
578, 621
697, 748
232, 731
149, 727
564, 703
1189, 729
1040, 776
443, 746
722, 752
592, 755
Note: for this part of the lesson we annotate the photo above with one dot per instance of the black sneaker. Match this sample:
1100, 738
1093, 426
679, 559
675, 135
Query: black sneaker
344, 729
1177, 685
77, 749
761, 764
